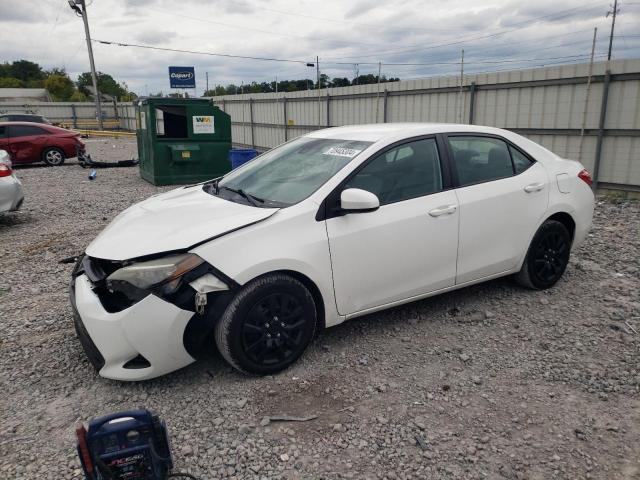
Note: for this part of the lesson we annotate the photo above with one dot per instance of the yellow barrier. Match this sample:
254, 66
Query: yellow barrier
105, 133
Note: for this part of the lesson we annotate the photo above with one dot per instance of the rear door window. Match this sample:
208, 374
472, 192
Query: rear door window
520, 161
480, 159
25, 131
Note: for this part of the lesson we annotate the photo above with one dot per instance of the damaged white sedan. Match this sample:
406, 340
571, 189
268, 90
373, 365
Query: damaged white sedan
330, 226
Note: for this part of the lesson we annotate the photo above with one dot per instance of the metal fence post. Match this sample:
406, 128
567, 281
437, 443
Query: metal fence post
74, 116
472, 102
284, 118
384, 105
253, 143
328, 107
603, 116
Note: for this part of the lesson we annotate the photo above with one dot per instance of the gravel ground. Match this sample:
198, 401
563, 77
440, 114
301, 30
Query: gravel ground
491, 381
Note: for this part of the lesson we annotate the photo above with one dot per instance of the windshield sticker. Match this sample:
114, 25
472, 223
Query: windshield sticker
342, 152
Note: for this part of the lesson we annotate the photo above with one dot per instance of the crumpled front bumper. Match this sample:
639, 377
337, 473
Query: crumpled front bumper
152, 328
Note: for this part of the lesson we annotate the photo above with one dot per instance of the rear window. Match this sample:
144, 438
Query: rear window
25, 131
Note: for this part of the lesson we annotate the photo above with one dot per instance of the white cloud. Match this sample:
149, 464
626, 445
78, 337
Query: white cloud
367, 31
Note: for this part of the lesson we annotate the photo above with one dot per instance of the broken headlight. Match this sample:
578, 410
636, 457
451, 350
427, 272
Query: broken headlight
163, 272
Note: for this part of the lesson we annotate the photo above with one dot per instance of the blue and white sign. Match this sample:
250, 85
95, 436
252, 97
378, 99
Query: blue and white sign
182, 77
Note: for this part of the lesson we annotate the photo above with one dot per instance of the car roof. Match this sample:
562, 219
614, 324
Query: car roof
25, 123
386, 133
382, 131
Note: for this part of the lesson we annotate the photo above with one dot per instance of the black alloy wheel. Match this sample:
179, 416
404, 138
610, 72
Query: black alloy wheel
547, 257
268, 325
274, 329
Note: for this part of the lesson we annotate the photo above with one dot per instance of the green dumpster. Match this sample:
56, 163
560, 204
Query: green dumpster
182, 140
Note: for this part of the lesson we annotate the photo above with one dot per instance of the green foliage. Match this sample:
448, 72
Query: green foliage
295, 85
78, 96
106, 84
60, 87
10, 82
26, 71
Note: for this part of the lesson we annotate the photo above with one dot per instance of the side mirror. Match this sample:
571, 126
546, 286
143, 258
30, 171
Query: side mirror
354, 200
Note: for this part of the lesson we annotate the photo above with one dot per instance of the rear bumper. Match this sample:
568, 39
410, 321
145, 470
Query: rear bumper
151, 328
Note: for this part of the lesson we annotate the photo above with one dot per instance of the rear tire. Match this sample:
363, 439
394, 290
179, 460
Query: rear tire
547, 257
53, 157
268, 325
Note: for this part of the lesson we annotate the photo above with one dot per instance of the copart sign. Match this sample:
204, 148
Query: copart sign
182, 77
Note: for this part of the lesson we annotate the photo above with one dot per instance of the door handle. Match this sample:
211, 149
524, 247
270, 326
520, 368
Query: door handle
534, 187
445, 210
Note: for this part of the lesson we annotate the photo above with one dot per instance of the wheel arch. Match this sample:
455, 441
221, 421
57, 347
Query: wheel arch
309, 285
566, 219
561, 215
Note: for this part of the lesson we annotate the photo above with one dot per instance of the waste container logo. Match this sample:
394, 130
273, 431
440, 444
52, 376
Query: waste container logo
182, 77
203, 124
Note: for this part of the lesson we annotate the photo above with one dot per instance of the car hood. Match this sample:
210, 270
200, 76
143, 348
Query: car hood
175, 220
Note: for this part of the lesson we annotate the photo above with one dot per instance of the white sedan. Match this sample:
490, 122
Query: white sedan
327, 227
11, 195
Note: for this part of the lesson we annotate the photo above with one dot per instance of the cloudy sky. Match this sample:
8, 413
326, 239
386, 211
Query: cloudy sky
495, 34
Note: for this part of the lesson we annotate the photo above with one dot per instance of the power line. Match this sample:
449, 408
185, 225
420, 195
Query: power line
211, 54
286, 60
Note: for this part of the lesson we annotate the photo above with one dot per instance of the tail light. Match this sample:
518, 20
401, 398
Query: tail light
5, 170
585, 176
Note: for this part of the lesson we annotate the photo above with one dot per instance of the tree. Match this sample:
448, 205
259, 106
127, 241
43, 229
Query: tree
78, 96
59, 86
340, 82
26, 70
106, 84
10, 82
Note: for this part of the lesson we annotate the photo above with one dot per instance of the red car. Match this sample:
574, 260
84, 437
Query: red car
29, 142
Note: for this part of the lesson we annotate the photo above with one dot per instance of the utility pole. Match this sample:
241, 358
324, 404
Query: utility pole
613, 12
80, 7
207, 77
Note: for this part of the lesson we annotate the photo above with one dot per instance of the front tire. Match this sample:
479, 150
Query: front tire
53, 156
547, 257
268, 325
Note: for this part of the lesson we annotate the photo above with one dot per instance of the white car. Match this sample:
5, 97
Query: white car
327, 227
11, 195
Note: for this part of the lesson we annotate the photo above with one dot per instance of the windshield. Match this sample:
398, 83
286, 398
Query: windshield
289, 173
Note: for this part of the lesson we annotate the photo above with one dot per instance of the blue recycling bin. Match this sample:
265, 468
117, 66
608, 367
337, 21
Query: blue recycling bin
240, 156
